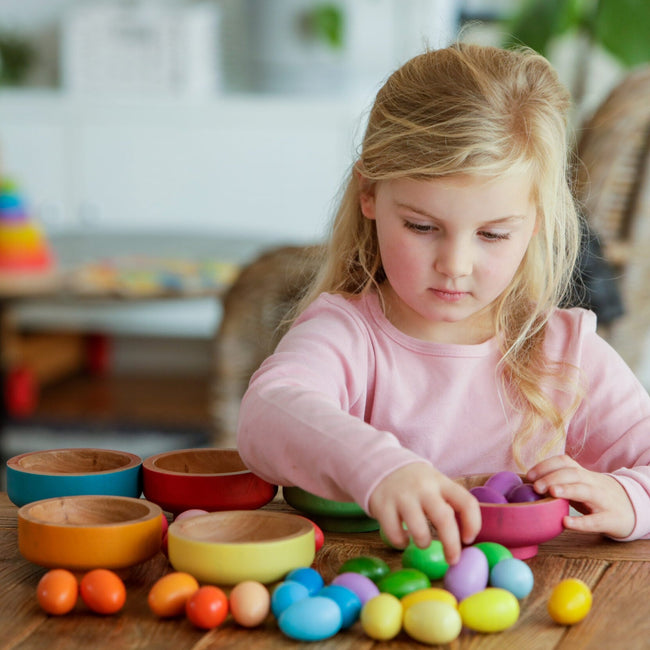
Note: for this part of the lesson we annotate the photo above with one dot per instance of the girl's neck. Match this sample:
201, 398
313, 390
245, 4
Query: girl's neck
478, 329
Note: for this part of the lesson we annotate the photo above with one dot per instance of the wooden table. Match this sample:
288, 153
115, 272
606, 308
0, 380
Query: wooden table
618, 574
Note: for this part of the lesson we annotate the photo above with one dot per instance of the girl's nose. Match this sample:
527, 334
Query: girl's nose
454, 259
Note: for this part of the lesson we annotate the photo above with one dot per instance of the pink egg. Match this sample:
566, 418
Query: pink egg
192, 512
361, 585
486, 494
503, 482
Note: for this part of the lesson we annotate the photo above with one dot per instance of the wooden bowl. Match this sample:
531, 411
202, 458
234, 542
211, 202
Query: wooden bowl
85, 532
334, 516
521, 527
229, 547
65, 472
206, 479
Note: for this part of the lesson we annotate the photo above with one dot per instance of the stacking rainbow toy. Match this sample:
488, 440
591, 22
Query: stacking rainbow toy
23, 247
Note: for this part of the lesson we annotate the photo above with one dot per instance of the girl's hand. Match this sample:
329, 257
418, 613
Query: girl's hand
605, 504
418, 494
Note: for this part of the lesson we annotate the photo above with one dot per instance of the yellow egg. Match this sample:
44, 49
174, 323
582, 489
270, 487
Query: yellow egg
490, 610
570, 601
250, 603
381, 617
432, 593
433, 622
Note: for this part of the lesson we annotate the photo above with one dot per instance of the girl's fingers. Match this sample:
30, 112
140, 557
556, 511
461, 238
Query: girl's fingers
469, 512
550, 465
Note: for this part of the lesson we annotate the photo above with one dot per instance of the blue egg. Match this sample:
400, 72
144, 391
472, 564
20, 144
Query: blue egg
349, 603
285, 594
311, 619
513, 575
308, 577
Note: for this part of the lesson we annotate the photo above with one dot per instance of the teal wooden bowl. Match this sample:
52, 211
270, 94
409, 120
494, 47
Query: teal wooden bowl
68, 472
333, 516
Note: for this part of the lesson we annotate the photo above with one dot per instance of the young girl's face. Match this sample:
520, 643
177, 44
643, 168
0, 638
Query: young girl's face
449, 248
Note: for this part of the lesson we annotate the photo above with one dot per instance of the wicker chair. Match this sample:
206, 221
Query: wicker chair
613, 186
254, 319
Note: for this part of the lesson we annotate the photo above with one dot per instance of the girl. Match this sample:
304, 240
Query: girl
432, 345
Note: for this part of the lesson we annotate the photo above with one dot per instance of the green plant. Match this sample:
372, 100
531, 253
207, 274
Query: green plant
621, 27
16, 57
325, 22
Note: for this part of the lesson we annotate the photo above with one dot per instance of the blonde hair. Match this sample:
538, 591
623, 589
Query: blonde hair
477, 110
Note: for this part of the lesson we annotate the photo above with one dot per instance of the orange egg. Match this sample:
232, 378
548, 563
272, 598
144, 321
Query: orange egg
57, 591
250, 603
170, 593
103, 591
207, 607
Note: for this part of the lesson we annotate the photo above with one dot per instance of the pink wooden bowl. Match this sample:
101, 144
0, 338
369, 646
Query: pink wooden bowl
206, 479
520, 527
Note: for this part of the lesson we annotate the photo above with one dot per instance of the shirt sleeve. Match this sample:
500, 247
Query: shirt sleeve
610, 432
302, 417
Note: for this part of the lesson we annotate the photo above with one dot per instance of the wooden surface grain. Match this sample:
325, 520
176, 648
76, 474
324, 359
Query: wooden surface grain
617, 573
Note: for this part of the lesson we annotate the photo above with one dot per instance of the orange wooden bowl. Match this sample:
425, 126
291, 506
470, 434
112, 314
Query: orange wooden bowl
206, 479
85, 532
521, 527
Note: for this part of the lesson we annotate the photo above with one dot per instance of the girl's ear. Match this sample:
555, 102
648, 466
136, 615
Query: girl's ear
366, 194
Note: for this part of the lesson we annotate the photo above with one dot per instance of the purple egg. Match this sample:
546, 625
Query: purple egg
523, 493
469, 575
361, 585
486, 494
503, 482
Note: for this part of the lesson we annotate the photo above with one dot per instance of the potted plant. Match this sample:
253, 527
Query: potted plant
620, 27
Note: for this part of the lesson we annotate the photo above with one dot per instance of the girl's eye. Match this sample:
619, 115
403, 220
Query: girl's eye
418, 227
494, 236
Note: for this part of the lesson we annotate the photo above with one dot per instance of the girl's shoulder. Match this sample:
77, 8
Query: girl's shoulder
568, 331
335, 312
338, 306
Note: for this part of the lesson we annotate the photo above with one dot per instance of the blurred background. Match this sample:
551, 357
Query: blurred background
152, 147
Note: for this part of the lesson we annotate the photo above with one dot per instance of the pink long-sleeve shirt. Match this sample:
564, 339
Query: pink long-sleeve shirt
347, 398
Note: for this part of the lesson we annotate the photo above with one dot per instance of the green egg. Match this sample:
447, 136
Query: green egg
431, 560
368, 565
493, 552
402, 582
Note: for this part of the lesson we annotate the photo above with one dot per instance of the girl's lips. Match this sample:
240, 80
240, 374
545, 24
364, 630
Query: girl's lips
449, 296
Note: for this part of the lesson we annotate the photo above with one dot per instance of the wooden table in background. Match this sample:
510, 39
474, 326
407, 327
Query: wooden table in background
618, 574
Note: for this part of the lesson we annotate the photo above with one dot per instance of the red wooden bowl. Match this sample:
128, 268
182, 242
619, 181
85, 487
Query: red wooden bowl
521, 527
206, 479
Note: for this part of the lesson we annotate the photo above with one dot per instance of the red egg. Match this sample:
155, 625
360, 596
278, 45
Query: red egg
207, 607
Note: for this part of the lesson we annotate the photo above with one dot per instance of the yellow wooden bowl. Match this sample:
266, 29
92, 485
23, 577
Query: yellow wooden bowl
89, 531
232, 546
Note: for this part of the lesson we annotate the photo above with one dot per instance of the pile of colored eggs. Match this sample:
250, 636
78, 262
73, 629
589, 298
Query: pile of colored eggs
206, 607
481, 593
505, 487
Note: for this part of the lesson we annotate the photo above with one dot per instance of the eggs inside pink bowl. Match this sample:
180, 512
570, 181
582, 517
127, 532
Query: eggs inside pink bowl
518, 525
